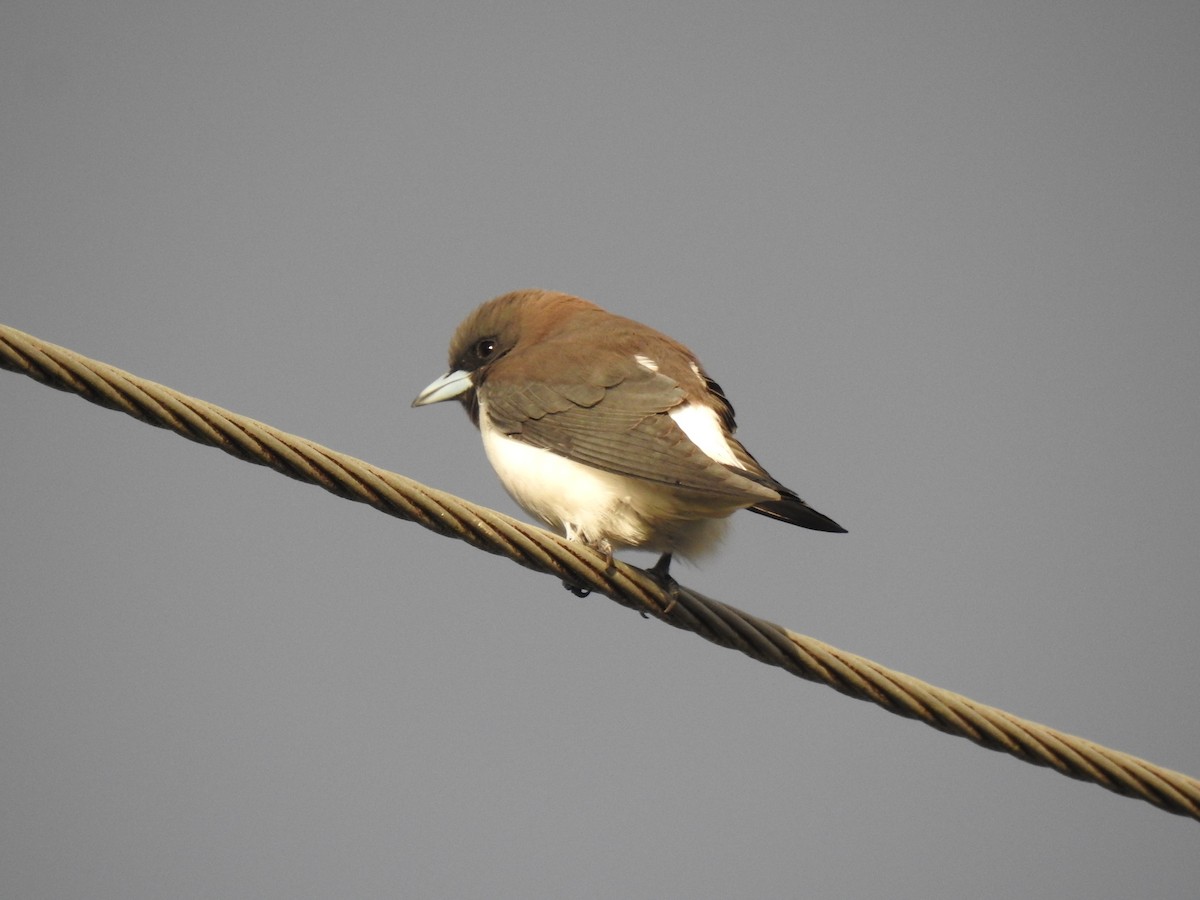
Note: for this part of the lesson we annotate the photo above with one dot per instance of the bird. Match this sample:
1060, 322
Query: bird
608, 431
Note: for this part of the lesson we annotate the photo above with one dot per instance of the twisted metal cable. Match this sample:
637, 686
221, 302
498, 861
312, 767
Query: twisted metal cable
542, 551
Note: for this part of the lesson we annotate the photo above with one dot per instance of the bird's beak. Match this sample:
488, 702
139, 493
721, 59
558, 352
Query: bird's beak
447, 387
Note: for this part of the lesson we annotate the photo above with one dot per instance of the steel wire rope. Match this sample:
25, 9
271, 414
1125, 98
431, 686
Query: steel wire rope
537, 549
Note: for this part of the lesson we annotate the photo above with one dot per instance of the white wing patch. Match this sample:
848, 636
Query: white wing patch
703, 428
646, 362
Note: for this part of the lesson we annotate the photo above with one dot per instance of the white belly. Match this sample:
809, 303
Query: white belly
592, 505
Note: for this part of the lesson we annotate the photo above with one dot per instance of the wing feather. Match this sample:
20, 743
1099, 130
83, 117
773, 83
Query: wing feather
621, 427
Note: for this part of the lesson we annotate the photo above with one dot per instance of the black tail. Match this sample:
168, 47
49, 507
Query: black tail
796, 512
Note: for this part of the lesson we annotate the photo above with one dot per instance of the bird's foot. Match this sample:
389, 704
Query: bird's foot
604, 548
660, 573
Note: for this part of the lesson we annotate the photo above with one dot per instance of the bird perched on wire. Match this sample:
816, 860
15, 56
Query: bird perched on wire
607, 430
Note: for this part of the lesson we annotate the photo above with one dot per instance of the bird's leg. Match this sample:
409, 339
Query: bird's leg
661, 574
659, 571
604, 548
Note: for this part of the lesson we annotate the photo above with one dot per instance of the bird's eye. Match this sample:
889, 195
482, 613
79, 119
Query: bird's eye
485, 348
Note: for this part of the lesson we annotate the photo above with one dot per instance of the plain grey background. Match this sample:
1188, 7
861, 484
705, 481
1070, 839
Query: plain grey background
944, 258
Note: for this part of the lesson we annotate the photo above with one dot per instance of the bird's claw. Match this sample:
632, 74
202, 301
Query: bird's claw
577, 589
604, 548
661, 575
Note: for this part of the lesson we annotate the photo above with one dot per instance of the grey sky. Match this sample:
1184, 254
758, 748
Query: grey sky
943, 258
